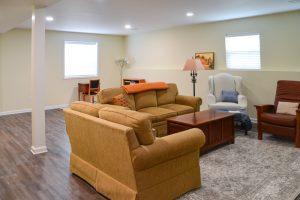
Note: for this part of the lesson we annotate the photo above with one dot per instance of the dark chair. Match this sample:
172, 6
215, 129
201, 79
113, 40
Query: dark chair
281, 124
94, 88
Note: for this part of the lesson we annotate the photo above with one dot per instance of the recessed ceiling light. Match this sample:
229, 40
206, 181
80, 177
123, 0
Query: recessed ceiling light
190, 14
49, 18
128, 26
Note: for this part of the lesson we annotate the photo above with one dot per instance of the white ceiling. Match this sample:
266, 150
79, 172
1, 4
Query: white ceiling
110, 16
14, 12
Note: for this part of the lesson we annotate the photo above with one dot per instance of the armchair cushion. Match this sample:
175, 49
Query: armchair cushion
229, 96
180, 109
287, 108
279, 119
226, 106
242, 101
140, 122
167, 148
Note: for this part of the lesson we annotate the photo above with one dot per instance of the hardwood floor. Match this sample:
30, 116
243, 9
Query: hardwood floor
44, 176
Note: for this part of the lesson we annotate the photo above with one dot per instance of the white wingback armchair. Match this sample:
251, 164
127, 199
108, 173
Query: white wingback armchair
224, 81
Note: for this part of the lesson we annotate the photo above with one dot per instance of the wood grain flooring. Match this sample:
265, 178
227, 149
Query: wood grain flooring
45, 176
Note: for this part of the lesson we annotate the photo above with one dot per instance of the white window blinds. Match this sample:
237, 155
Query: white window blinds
81, 59
243, 52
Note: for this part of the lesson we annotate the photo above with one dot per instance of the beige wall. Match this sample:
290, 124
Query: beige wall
159, 55
15, 67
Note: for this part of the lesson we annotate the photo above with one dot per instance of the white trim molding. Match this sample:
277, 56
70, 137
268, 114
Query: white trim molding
28, 110
38, 150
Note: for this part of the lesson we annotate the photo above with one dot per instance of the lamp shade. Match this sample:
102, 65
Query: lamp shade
193, 65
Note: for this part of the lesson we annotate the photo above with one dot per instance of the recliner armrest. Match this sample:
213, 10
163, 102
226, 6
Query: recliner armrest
167, 148
194, 102
264, 108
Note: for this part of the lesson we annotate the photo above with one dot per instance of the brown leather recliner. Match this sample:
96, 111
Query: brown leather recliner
281, 124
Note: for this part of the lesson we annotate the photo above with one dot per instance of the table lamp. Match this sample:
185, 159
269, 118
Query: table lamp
193, 65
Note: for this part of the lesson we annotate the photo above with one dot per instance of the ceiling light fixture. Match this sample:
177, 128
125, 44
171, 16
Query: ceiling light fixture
128, 26
49, 18
190, 14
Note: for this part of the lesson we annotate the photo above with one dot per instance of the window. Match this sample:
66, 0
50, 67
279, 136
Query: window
243, 52
81, 59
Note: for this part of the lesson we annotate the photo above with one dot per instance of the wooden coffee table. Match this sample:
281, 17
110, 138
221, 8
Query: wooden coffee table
218, 127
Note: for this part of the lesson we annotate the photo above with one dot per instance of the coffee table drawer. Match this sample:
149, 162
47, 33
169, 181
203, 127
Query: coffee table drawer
175, 128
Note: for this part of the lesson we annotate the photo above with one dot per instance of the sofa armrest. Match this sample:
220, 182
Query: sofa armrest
211, 99
194, 102
167, 148
264, 108
242, 101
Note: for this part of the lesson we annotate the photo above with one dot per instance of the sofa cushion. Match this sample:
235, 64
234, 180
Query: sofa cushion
122, 100
279, 119
87, 108
145, 99
92, 108
180, 109
158, 114
167, 96
140, 122
106, 96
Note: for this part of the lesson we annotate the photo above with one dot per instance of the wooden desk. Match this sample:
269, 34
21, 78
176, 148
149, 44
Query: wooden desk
218, 127
83, 88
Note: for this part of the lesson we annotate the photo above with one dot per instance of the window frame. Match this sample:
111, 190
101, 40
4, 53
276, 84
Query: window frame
97, 62
240, 35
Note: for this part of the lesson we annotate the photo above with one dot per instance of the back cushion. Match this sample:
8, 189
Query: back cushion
107, 95
87, 108
145, 99
221, 82
167, 96
287, 91
140, 122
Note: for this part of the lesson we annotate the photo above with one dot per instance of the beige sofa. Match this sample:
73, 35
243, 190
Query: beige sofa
160, 104
128, 162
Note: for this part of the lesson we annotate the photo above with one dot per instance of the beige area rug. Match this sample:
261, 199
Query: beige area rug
250, 170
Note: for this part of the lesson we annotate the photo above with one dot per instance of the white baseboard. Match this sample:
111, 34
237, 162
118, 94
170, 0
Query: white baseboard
38, 150
52, 107
27, 110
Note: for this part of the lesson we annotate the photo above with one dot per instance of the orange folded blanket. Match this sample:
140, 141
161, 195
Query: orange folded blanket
142, 87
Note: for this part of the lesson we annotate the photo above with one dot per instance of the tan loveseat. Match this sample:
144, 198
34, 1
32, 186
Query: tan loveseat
160, 104
128, 162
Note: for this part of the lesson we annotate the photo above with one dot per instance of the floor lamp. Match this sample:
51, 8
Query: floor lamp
193, 65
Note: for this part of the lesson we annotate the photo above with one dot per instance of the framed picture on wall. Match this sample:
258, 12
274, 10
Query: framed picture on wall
207, 59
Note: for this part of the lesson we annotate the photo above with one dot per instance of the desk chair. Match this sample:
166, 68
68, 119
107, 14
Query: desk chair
94, 88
